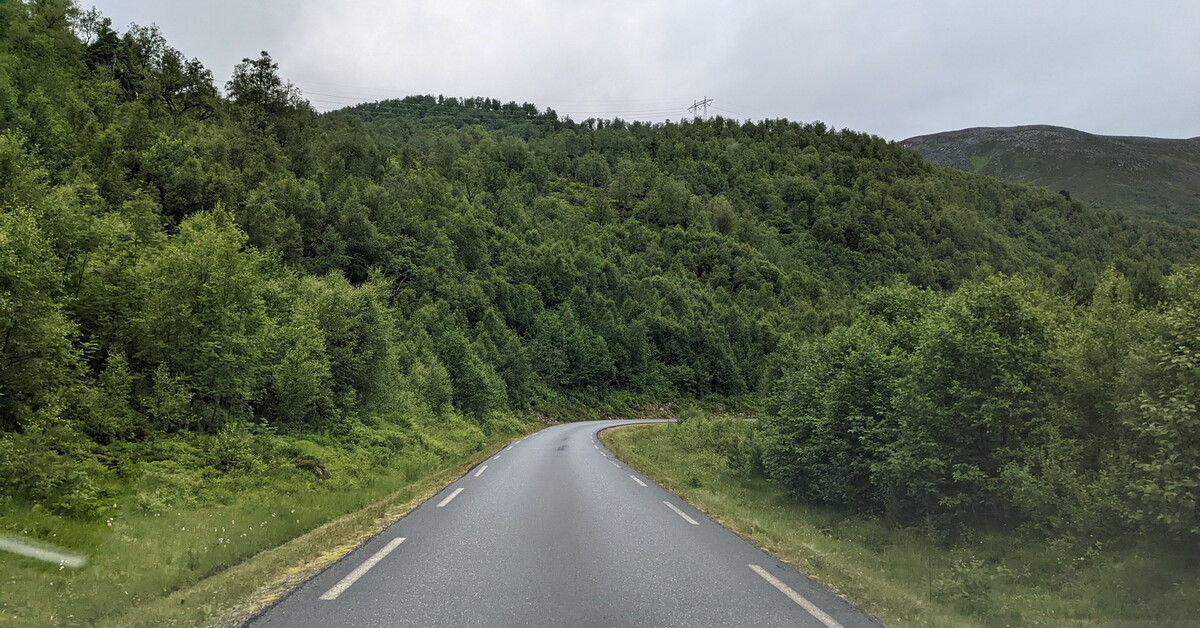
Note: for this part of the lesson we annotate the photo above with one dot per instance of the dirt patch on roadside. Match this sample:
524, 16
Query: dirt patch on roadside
543, 418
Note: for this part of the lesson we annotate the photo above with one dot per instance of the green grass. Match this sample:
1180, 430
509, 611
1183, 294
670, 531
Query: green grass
186, 546
979, 161
905, 579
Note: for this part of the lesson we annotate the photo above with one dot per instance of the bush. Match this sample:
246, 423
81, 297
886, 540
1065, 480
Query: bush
729, 438
237, 449
50, 465
967, 584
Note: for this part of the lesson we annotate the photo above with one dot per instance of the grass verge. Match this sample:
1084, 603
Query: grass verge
901, 577
274, 573
223, 556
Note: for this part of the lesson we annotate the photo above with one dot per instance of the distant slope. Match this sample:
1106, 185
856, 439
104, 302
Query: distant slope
1146, 177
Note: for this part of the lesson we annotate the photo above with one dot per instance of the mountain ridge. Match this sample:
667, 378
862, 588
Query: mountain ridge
1146, 177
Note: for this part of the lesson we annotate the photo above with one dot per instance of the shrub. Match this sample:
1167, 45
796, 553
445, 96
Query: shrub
49, 464
236, 449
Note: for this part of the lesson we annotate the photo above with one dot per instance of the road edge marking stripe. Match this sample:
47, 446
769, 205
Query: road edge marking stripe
480, 471
634, 477
812, 609
353, 576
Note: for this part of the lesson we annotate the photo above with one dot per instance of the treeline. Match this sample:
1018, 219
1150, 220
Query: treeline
1001, 405
182, 260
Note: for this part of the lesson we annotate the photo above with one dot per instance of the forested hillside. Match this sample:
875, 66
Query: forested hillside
215, 283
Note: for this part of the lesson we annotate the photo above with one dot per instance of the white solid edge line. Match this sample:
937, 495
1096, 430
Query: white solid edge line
637, 480
681, 513
358, 572
480, 471
797, 598
450, 497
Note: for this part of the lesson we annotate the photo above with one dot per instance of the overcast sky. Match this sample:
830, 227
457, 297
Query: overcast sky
893, 68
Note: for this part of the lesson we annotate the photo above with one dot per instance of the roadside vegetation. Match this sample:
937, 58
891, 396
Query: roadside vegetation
1001, 405
175, 520
217, 305
903, 575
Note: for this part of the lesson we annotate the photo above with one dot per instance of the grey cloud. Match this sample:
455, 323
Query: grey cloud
883, 66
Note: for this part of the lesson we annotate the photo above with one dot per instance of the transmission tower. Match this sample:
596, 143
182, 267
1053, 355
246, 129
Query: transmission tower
701, 106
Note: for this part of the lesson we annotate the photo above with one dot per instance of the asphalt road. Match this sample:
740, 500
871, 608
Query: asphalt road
554, 531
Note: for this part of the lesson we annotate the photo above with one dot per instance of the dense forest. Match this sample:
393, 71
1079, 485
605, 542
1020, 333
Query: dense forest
227, 274
1001, 404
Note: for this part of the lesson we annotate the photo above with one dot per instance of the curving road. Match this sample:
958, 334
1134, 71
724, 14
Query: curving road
554, 531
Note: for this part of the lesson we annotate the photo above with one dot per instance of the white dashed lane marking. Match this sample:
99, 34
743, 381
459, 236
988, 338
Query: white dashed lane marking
452, 496
797, 598
682, 514
362, 569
